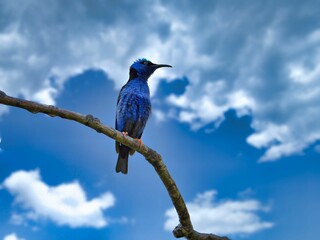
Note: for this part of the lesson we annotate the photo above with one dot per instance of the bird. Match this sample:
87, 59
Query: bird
134, 107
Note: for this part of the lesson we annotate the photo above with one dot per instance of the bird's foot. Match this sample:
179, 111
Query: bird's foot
125, 134
140, 142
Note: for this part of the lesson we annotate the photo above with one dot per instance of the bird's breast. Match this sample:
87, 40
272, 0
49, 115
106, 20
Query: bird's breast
135, 102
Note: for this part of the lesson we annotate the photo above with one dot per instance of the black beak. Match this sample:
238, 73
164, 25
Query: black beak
161, 65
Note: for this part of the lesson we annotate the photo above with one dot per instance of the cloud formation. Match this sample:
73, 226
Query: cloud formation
226, 217
265, 65
258, 58
41, 47
12, 236
65, 204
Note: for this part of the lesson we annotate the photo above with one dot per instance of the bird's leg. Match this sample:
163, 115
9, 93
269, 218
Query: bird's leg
137, 139
140, 142
125, 134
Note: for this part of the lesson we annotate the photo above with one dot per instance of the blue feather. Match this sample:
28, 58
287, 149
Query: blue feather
140, 60
134, 107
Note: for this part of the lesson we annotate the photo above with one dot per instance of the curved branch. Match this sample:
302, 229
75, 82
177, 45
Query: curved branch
185, 228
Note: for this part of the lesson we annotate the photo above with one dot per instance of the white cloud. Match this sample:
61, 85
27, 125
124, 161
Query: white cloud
12, 236
254, 71
64, 204
224, 217
207, 109
159, 115
39, 53
269, 134
266, 68
46, 95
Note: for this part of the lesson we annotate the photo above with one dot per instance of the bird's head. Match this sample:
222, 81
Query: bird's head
144, 68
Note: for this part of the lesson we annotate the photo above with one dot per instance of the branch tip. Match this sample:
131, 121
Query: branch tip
2, 94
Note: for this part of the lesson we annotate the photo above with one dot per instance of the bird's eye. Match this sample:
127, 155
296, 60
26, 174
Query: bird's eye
145, 62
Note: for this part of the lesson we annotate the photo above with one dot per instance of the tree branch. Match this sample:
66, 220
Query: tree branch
185, 228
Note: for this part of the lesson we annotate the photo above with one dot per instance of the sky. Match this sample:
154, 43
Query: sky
235, 119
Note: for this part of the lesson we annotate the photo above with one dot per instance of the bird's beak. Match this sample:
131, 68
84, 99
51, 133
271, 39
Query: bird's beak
161, 65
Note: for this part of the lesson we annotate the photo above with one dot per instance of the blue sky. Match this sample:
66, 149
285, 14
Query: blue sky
235, 119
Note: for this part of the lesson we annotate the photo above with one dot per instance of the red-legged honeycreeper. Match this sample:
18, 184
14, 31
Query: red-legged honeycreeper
134, 107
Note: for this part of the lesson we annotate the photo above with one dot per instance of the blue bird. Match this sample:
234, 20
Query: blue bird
134, 107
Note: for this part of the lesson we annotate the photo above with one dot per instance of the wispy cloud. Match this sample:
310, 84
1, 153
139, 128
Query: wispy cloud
221, 217
64, 204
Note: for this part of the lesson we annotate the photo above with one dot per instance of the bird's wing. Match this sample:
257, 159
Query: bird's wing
121, 92
117, 127
137, 128
136, 132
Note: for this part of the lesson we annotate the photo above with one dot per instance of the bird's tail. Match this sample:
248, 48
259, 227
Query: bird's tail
122, 163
